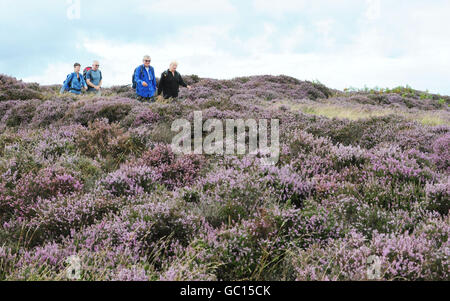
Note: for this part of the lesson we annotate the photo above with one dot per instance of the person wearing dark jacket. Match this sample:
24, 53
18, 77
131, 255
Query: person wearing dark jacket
170, 82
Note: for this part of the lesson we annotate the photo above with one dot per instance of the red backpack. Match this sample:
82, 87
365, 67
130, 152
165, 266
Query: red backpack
85, 71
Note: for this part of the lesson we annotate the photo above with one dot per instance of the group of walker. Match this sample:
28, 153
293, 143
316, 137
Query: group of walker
144, 81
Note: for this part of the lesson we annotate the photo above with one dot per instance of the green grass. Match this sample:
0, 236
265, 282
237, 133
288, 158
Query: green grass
407, 90
431, 118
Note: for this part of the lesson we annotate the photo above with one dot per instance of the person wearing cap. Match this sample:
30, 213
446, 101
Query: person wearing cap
170, 82
75, 81
145, 79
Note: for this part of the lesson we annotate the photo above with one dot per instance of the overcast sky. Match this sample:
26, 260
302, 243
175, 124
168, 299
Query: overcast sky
342, 43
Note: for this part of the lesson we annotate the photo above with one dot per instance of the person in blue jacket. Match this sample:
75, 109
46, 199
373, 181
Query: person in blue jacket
145, 79
75, 81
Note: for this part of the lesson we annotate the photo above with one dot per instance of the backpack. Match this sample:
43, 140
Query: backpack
134, 84
69, 84
85, 72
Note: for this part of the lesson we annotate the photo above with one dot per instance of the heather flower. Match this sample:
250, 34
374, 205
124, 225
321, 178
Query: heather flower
49, 112
94, 178
441, 152
438, 196
131, 180
20, 195
12, 89
113, 110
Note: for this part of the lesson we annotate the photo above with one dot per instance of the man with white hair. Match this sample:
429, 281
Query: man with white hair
170, 82
144, 77
94, 79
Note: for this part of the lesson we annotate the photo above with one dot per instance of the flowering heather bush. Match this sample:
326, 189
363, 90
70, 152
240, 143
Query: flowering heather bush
441, 149
264, 88
131, 180
393, 165
143, 116
226, 196
54, 142
12, 89
288, 185
101, 140
20, 195
113, 110
420, 255
157, 166
96, 178
438, 197
399, 97
54, 218
20, 113
366, 133
122, 91
49, 112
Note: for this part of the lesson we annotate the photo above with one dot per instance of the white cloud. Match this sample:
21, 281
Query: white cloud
279, 6
293, 39
192, 47
338, 70
325, 28
54, 73
373, 11
182, 7
318, 7
394, 49
259, 43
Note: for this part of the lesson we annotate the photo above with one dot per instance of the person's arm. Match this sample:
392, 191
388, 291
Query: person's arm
63, 89
181, 81
101, 81
137, 75
88, 80
65, 86
83, 82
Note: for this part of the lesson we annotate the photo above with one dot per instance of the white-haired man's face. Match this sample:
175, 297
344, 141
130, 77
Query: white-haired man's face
95, 65
147, 61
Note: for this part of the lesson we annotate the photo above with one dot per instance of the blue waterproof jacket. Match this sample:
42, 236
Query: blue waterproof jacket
73, 84
141, 76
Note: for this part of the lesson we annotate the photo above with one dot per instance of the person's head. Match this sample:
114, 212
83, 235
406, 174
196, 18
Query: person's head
173, 66
147, 60
77, 67
95, 65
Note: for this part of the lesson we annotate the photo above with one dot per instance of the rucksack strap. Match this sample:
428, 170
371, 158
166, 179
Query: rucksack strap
71, 75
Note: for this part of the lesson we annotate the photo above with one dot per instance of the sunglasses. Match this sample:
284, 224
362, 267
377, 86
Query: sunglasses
147, 61
96, 65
